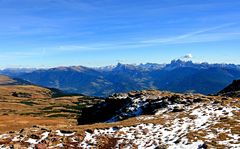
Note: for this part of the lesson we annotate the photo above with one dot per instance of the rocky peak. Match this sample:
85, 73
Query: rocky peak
123, 67
151, 66
179, 63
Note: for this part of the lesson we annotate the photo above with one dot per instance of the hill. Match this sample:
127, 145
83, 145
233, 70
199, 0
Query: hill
232, 90
29, 105
5, 80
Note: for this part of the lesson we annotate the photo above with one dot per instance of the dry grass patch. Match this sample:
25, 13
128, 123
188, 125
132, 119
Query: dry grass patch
15, 123
6, 80
34, 91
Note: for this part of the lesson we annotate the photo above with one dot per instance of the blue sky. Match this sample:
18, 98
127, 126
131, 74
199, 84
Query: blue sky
49, 33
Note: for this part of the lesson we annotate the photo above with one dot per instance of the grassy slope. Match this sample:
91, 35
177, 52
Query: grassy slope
34, 105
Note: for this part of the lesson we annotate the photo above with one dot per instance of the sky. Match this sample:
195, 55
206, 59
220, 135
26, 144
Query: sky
50, 33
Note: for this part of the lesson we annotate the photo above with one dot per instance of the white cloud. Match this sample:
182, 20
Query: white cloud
188, 56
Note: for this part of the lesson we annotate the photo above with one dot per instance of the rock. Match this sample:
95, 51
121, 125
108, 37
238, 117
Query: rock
66, 131
5, 141
203, 146
103, 111
89, 131
145, 131
115, 128
33, 136
41, 146
175, 99
224, 118
178, 108
21, 131
197, 100
21, 95
216, 102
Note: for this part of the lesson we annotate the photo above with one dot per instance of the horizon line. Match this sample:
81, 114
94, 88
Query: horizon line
115, 64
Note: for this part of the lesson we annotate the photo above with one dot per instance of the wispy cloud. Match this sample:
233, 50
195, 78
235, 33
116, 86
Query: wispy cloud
186, 37
23, 54
202, 35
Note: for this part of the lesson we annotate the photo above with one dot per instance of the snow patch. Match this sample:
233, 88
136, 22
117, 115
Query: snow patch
59, 133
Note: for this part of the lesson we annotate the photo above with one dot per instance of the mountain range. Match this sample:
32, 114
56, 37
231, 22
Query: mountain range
178, 76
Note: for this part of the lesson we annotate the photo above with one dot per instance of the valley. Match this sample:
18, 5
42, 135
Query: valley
178, 76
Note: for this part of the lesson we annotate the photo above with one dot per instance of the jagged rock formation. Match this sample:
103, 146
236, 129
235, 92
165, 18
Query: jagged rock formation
103, 111
125, 105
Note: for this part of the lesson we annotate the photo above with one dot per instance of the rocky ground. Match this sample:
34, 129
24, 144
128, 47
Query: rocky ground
146, 119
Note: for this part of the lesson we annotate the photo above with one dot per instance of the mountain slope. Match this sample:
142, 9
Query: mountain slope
5, 80
27, 105
70, 79
233, 90
13, 72
178, 76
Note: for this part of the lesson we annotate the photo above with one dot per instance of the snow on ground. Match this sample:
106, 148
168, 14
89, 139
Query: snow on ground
233, 143
194, 145
143, 135
4, 136
210, 113
144, 118
3, 147
174, 136
132, 109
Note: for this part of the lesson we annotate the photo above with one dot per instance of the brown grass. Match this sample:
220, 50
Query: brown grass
5, 80
15, 123
35, 91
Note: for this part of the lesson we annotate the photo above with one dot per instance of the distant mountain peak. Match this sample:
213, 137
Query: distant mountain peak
71, 68
151, 66
121, 67
179, 63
